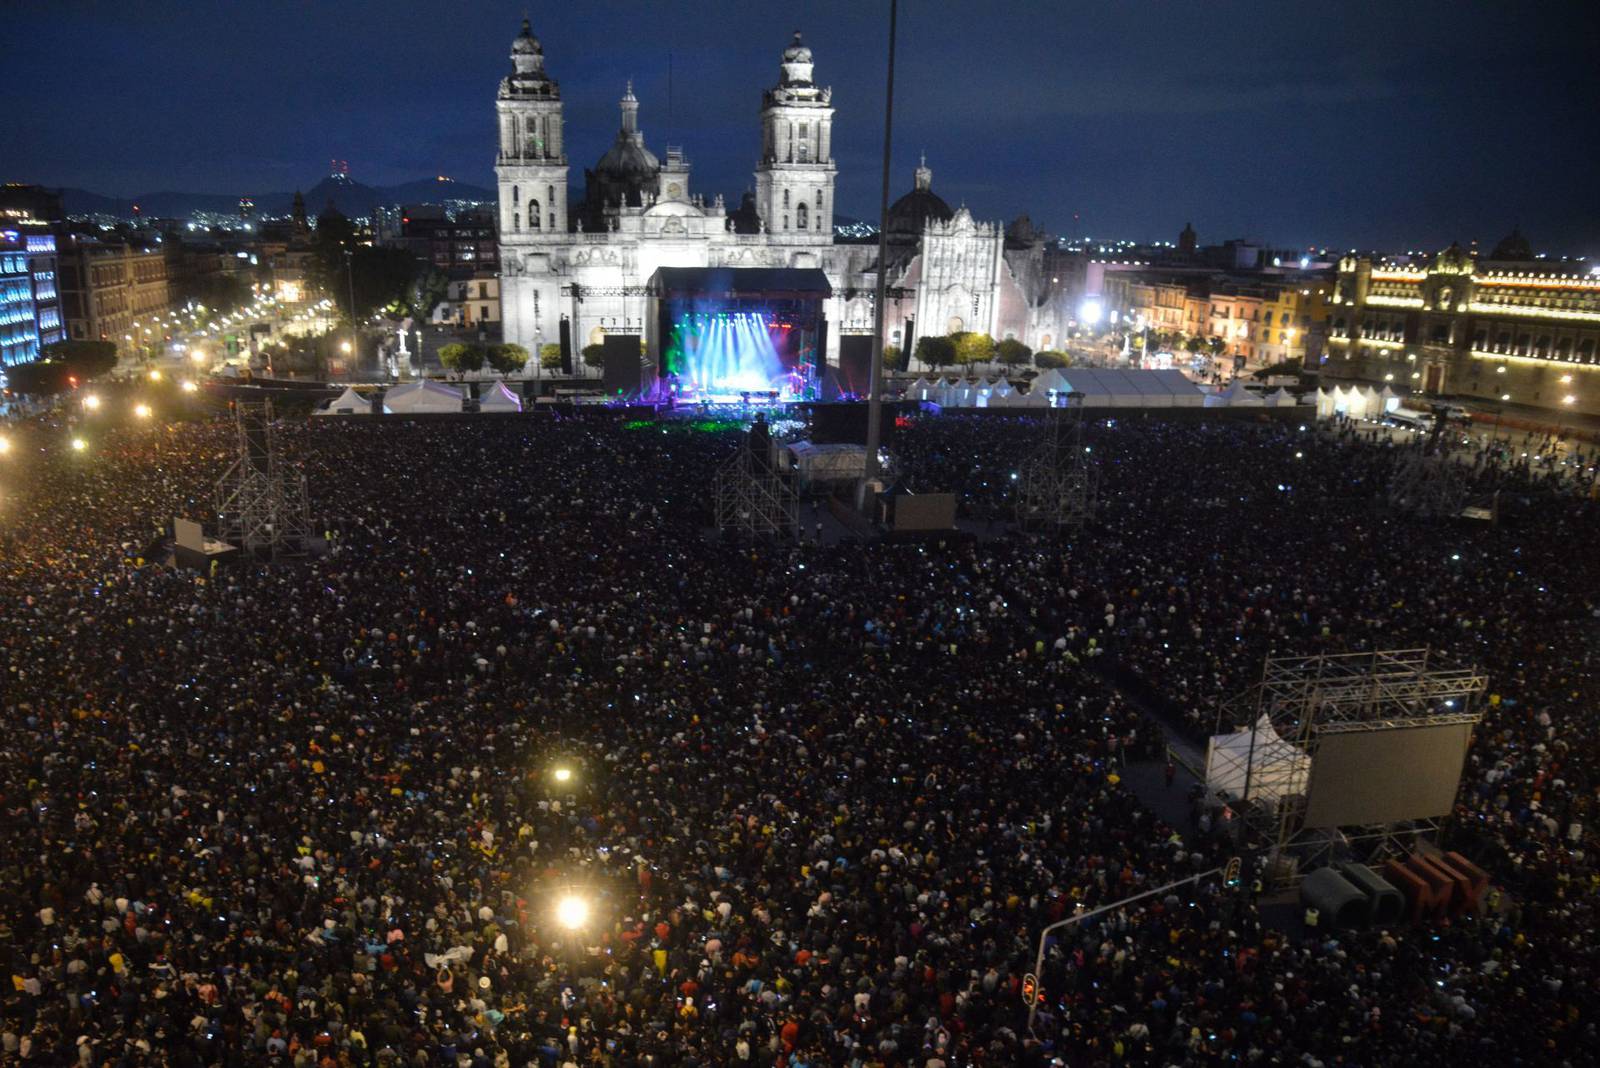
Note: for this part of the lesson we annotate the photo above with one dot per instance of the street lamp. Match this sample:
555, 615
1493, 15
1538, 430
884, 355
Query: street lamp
92, 402
562, 775
142, 411
78, 444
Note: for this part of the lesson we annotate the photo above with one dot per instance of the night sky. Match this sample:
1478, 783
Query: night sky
1380, 125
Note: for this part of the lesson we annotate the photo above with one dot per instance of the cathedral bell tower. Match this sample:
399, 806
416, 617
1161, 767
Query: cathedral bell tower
531, 167
794, 182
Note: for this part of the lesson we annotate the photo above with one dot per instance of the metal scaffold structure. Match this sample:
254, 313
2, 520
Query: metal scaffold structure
754, 498
1427, 485
262, 506
1298, 707
1059, 484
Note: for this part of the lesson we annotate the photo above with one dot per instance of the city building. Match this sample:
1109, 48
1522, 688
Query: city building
471, 303
459, 244
1510, 328
116, 291
587, 260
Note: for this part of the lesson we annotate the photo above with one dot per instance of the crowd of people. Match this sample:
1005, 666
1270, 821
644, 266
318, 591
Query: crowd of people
820, 798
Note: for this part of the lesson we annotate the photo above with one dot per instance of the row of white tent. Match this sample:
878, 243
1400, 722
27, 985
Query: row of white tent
1356, 402
1238, 396
1101, 388
426, 397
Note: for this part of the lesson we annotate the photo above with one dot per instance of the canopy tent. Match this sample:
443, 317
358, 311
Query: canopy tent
1002, 388
497, 398
347, 403
1237, 396
1371, 402
1280, 398
1107, 388
921, 390
1388, 399
1049, 380
425, 397
1031, 399
1324, 401
982, 389
1256, 763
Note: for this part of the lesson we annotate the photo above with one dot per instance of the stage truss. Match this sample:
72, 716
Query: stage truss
753, 498
1308, 698
1427, 485
1058, 486
262, 507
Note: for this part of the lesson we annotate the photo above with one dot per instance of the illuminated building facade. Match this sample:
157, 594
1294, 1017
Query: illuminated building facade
1510, 328
586, 261
112, 291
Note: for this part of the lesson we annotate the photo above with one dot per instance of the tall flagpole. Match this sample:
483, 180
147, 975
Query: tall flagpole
875, 396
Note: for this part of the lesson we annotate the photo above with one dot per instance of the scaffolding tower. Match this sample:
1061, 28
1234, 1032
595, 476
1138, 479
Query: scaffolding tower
1059, 484
262, 506
755, 499
1302, 701
1427, 485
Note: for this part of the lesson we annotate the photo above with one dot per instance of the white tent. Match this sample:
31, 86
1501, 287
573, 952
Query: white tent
1049, 380
1280, 398
1182, 390
1256, 763
1389, 399
1002, 388
497, 398
1325, 407
347, 403
1032, 399
981, 390
426, 397
1237, 396
920, 390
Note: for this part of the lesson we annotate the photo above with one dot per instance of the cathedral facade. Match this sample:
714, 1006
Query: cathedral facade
588, 261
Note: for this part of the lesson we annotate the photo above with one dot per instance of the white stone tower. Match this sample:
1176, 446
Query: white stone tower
532, 164
794, 183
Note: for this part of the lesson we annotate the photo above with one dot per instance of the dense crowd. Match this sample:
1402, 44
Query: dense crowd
824, 796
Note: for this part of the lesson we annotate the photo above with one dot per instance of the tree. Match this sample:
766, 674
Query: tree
550, 356
1195, 344
40, 378
973, 348
893, 358
507, 359
594, 355
1217, 346
427, 290
82, 360
457, 356
1048, 359
936, 352
1012, 352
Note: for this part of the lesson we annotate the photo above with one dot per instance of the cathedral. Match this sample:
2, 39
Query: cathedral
588, 261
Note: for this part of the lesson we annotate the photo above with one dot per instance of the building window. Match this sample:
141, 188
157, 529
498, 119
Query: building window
786, 200
483, 290
786, 222
516, 222
800, 216
533, 214
483, 311
515, 193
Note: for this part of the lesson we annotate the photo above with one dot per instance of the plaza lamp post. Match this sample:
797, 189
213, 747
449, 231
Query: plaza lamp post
1230, 877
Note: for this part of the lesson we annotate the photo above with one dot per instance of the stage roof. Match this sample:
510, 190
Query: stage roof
724, 283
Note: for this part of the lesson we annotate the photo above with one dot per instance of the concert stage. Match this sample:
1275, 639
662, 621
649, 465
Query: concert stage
737, 336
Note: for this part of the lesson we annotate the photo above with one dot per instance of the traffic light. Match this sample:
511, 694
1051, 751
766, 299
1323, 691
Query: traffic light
1230, 876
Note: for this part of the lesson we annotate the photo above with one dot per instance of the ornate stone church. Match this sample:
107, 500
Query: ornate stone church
589, 260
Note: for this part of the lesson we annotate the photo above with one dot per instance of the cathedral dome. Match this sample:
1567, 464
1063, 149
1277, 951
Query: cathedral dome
909, 214
627, 160
1513, 247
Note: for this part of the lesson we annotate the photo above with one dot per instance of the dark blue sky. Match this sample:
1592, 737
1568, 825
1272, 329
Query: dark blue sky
1372, 124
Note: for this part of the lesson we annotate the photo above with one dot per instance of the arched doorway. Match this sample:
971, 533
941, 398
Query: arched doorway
597, 336
955, 324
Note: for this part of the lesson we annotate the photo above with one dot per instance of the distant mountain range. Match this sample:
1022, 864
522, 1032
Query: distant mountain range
350, 197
